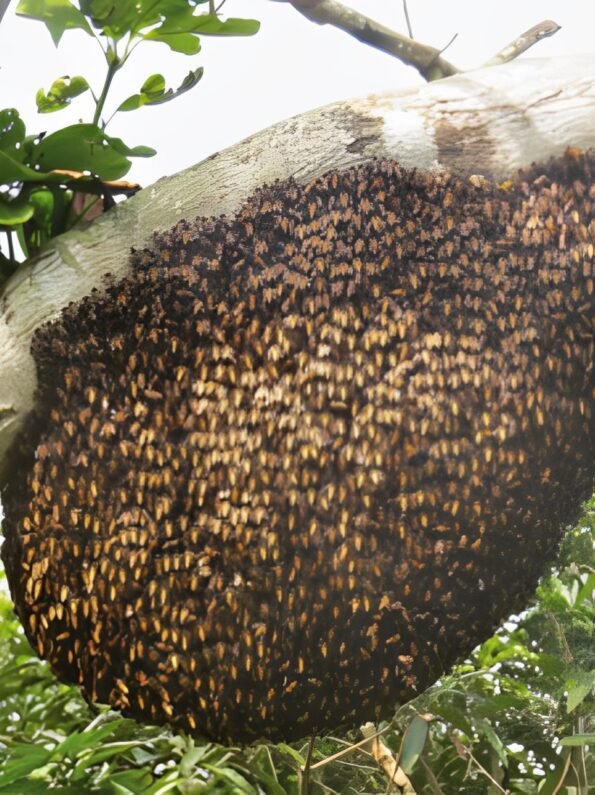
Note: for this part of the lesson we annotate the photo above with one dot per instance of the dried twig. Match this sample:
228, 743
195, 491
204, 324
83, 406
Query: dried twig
427, 60
386, 759
347, 750
407, 19
527, 39
465, 753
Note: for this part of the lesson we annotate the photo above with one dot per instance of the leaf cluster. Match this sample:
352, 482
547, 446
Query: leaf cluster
40, 173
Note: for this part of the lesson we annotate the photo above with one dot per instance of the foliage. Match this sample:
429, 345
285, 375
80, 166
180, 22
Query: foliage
517, 717
40, 174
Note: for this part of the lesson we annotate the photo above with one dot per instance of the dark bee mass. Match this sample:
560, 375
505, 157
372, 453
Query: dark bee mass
303, 459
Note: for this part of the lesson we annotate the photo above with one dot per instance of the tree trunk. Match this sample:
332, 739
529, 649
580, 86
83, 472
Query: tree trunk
491, 122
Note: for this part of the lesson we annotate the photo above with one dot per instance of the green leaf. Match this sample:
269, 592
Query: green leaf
230, 776
157, 94
579, 688
12, 170
550, 664
62, 91
82, 147
13, 213
578, 739
42, 200
552, 785
100, 754
455, 712
136, 151
413, 743
116, 19
493, 740
131, 781
155, 84
57, 15
209, 25
12, 133
23, 759
295, 755
263, 770
587, 591
89, 738
186, 43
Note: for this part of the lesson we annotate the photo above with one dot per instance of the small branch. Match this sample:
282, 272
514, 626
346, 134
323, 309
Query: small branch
407, 19
431, 780
347, 750
527, 39
465, 752
565, 770
385, 759
112, 68
425, 59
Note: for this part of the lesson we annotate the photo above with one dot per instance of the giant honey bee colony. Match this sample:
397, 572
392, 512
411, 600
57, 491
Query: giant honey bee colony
303, 459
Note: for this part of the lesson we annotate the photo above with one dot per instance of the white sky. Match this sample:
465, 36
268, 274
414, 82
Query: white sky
290, 66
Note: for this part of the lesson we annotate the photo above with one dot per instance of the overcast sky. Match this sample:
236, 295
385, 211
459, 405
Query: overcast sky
290, 66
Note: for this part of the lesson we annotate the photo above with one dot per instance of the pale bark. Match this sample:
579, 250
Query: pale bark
492, 122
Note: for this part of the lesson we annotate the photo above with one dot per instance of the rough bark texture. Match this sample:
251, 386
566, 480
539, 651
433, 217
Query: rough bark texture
491, 122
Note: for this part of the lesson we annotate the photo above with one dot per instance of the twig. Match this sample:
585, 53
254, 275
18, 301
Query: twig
407, 20
425, 59
565, 770
347, 750
527, 39
452, 39
432, 781
560, 637
386, 760
464, 750
304, 773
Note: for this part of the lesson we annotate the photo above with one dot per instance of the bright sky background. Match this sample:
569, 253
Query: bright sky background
290, 66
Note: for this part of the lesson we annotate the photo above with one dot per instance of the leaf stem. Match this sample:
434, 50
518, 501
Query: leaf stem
113, 64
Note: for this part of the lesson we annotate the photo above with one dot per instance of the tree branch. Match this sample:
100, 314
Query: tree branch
3, 6
427, 60
527, 39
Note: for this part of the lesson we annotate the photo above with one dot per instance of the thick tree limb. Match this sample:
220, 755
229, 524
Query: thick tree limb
492, 122
3, 6
427, 60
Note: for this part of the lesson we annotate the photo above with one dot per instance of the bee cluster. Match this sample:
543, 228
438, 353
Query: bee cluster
304, 458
